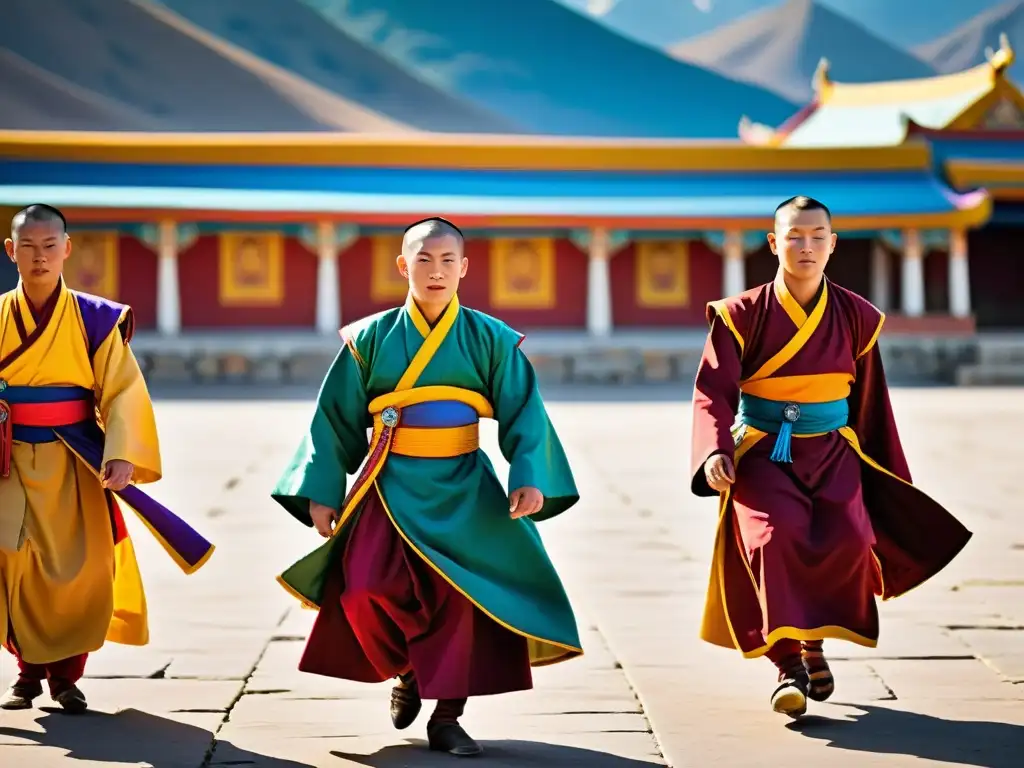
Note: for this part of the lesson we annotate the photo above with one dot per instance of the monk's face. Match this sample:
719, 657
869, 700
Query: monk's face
434, 268
39, 248
803, 241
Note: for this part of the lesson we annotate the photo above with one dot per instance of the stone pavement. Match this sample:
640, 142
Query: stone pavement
218, 685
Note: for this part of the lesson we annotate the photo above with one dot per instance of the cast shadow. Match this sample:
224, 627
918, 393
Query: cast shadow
891, 731
132, 737
505, 753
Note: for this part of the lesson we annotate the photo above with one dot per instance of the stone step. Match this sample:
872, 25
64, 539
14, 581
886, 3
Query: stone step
990, 375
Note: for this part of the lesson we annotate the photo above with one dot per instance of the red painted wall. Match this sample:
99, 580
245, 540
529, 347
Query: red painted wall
850, 266
198, 274
137, 268
570, 310
997, 282
705, 285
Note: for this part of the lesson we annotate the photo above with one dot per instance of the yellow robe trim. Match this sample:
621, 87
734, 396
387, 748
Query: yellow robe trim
805, 329
874, 337
722, 312
67, 587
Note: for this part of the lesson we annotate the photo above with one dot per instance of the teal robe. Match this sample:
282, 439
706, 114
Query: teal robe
452, 511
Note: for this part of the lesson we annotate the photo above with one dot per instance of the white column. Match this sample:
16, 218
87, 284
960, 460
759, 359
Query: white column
913, 274
168, 295
328, 297
734, 277
880, 283
599, 284
959, 275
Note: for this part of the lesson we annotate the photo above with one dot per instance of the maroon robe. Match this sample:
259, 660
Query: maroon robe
803, 547
386, 611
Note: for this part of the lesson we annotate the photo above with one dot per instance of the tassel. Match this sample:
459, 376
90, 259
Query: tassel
781, 452
6, 440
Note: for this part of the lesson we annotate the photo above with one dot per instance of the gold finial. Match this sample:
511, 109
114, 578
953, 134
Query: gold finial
821, 75
1001, 60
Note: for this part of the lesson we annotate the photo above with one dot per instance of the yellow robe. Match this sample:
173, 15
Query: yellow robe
66, 587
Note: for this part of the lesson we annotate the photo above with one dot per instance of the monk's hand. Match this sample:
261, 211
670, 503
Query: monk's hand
117, 473
324, 518
720, 472
523, 502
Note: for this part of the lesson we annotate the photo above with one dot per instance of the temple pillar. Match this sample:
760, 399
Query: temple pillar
881, 288
328, 293
599, 284
734, 274
912, 274
959, 275
168, 291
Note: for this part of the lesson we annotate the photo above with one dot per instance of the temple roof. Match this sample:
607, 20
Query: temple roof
626, 199
880, 114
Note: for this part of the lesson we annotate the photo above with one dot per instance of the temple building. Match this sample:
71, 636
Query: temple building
228, 232
972, 123
592, 238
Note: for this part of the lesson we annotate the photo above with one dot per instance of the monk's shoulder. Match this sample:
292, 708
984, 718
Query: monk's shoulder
740, 310
865, 319
100, 316
362, 336
498, 335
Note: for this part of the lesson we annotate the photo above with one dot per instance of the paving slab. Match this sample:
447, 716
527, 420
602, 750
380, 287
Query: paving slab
218, 685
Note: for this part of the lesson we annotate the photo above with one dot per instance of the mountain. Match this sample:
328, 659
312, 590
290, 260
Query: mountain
908, 23
551, 69
660, 23
780, 48
134, 58
965, 47
290, 35
33, 99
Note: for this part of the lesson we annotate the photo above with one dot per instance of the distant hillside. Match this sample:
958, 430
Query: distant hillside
291, 35
907, 23
33, 99
551, 68
124, 53
779, 50
966, 46
661, 23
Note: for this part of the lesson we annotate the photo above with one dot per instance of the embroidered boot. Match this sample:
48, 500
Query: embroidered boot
822, 684
444, 733
405, 701
21, 695
790, 697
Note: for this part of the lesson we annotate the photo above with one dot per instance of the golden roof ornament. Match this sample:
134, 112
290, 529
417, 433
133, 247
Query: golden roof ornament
821, 79
1002, 59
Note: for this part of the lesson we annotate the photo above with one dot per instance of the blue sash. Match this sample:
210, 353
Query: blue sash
788, 419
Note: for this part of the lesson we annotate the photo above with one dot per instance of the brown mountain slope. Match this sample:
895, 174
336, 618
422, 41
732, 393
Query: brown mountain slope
162, 68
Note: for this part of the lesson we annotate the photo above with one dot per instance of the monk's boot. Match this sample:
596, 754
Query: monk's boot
405, 702
821, 682
444, 734
21, 695
71, 700
790, 698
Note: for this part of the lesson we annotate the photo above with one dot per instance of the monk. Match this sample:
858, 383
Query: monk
431, 574
76, 432
794, 430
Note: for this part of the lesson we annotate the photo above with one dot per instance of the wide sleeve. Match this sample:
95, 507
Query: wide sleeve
527, 438
124, 405
872, 417
716, 396
333, 447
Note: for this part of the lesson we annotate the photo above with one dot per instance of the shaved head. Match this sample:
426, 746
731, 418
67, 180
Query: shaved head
38, 214
429, 229
787, 208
